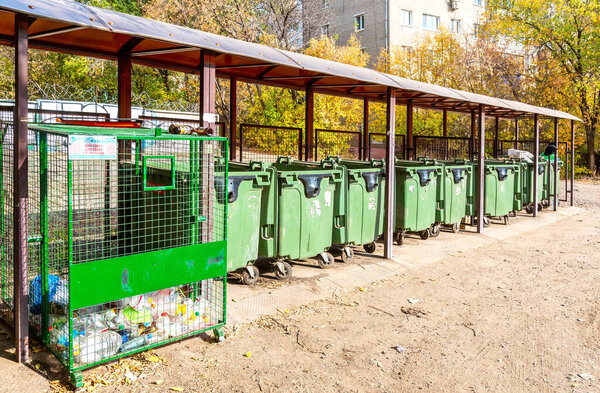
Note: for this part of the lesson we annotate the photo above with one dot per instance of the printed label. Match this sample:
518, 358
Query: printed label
87, 147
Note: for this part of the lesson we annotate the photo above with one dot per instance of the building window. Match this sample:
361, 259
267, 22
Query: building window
407, 51
476, 30
431, 22
455, 25
359, 22
407, 18
478, 2
325, 30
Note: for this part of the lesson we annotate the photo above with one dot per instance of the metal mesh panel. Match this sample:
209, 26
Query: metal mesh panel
265, 143
6, 264
109, 330
158, 194
443, 148
529, 146
343, 144
49, 116
165, 122
377, 146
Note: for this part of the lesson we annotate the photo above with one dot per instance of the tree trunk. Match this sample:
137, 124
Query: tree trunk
590, 136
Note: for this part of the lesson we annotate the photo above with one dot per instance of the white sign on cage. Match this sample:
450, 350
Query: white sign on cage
92, 147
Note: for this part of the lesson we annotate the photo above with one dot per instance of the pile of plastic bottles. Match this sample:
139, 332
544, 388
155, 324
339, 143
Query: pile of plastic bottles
100, 332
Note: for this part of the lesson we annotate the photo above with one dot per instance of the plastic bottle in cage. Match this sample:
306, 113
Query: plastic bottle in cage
135, 343
95, 346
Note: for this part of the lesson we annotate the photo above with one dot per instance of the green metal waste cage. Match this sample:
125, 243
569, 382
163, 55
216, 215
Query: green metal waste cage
456, 193
127, 248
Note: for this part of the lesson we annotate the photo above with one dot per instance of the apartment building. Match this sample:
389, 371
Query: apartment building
391, 23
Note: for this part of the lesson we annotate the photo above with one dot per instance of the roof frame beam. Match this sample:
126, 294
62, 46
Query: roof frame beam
61, 30
165, 51
238, 66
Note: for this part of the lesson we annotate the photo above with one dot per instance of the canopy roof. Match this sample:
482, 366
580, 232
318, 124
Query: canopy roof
71, 27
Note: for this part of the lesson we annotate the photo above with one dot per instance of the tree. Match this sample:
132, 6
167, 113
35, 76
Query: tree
568, 32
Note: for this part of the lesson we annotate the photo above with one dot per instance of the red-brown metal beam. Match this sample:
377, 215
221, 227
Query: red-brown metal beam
365, 136
21, 192
61, 30
516, 133
309, 118
165, 51
208, 80
390, 155
496, 139
555, 172
445, 123
481, 171
473, 133
572, 162
410, 142
536, 163
232, 118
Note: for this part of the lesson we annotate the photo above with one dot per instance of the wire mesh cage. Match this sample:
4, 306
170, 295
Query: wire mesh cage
127, 243
266, 143
443, 148
377, 143
343, 144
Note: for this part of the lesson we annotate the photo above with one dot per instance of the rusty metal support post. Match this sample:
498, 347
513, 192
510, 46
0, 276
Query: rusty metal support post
516, 145
473, 133
309, 124
124, 86
572, 163
481, 170
390, 155
21, 193
555, 174
496, 139
411, 153
445, 132
365, 135
536, 163
208, 82
232, 118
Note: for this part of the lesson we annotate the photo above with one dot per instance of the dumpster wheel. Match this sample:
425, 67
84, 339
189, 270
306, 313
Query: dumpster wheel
529, 209
425, 234
399, 235
435, 230
325, 260
283, 270
250, 275
370, 247
505, 219
540, 207
347, 255
456, 227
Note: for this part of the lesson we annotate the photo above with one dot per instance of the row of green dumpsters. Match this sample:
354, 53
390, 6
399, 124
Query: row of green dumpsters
294, 210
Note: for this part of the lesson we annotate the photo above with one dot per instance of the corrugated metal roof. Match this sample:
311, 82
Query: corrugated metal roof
114, 30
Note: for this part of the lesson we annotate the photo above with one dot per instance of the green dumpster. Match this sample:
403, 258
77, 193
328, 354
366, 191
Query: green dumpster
251, 193
551, 179
365, 214
501, 187
416, 198
528, 181
305, 210
456, 193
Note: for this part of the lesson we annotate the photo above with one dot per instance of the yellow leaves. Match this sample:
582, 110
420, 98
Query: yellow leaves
176, 389
158, 382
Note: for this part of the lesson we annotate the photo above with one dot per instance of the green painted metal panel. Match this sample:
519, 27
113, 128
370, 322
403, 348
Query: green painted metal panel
107, 280
456, 191
500, 190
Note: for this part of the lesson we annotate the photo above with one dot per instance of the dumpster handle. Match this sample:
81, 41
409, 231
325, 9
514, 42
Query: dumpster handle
371, 180
283, 160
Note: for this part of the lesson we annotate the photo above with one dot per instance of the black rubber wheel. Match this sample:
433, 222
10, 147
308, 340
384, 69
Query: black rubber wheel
400, 238
425, 234
370, 247
287, 271
325, 260
486, 222
529, 209
247, 279
456, 227
435, 230
540, 207
506, 219
347, 255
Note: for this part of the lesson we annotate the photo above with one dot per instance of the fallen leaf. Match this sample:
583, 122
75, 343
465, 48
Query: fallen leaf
158, 381
248, 354
176, 389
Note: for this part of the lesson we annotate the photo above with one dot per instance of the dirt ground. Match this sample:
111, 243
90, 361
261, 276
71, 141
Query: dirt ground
521, 315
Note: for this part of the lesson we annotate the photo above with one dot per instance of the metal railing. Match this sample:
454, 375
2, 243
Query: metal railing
343, 144
443, 148
51, 116
377, 143
165, 122
264, 143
